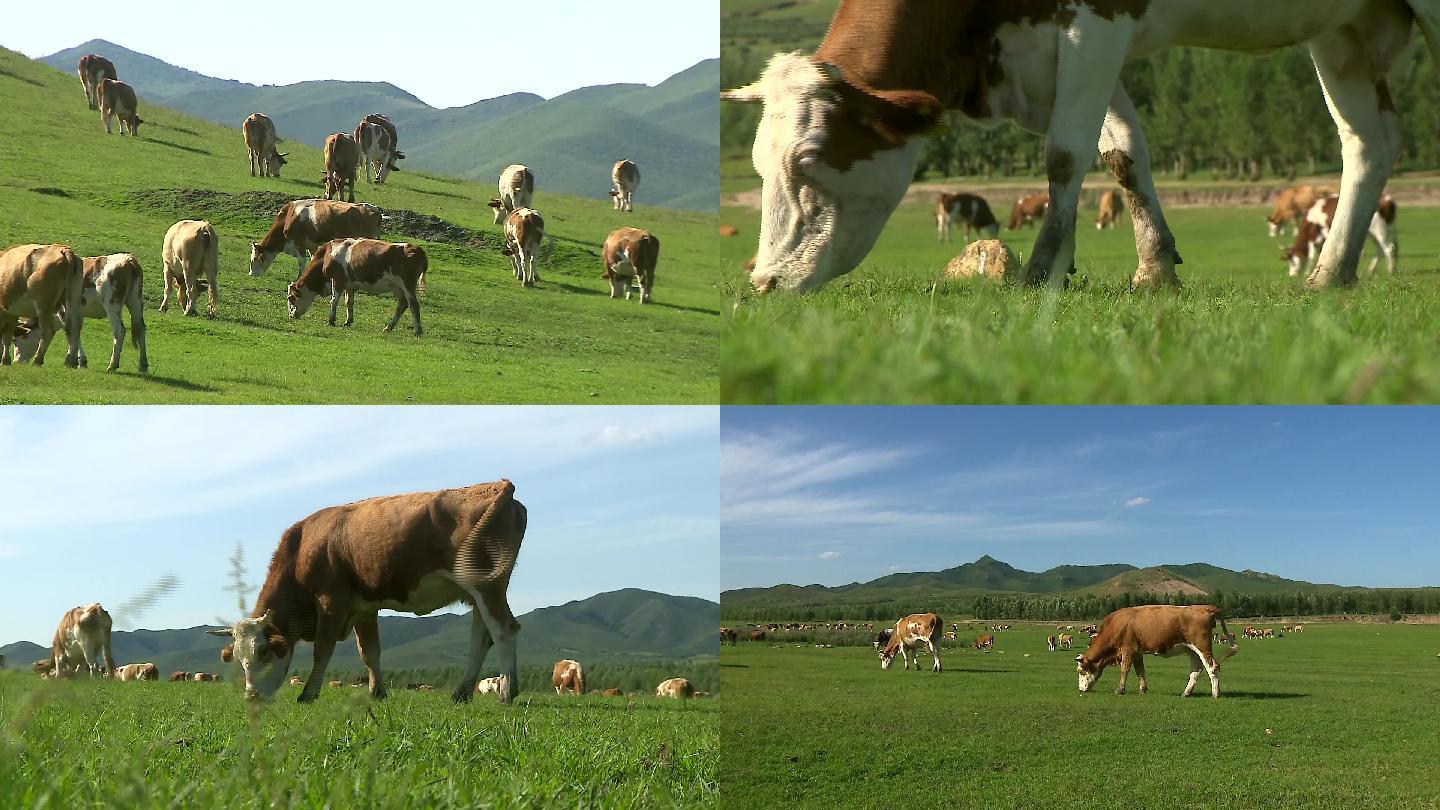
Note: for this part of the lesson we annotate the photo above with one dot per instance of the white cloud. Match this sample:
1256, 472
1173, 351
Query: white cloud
830, 555
1134, 502
615, 434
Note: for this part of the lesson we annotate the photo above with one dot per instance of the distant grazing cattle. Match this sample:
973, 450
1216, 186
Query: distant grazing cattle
984, 641
94, 69
913, 631
373, 141
568, 675
392, 135
950, 635
757, 635
1110, 210
302, 226
1315, 228
44, 667
39, 281
611, 692
1066, 641
259, 132
675, 688
729, 230
202, 677
1050, 643
1269, 632
417, 552
625, 177
333, 684
179, 676
486, 686
364, 265
420, 687
83, 640
295, 680
117, 100
342, 158
970, 210
1028, 210
517, 190
191, 251
1291, 205
1129, 633
630, 255
729, 634
524, 230
111, 284
1299, 628
137, 672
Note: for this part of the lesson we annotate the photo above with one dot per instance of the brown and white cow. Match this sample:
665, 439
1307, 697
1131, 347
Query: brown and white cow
392, 135
301, 226
675, 688
364, 265
842, 130
342, 158
376, 149
729, 634
489, 686
757, 635
177, 677
568, 675
985, 642
137, 672
1050, 643
259, 132
970, 210
1066, 641
517, 190
39, 281
191, 252
882, 638
630, 255
1110, 210
1028, 210
44, 667
117, 100
94, 69
112, 284
910, 632
524, 230
1291, 205
1129, 633
202, 677
418, 552
83, 640
625, 177
1315, 228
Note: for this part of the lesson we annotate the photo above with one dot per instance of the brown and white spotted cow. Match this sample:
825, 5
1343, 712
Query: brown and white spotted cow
882, 638
418, 552
984, 642
1050, 643
38, 281
365, 265
117, 100
342, 158
679, 688
1291, 205
1129, 633
970, 210
137, 672
625, 177
94, 69
392, 137
1028, 210
302, 226
524, 230
568, 675
729, 634
842, 129
376, 148
1110, 210
1315, 228
83, 641
259, 132
1066, 641
202, 677
489, 686
111, 284
910, 632
630, 256
191, 251
517, 190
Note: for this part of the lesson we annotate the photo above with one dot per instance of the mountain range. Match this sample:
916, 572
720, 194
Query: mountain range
671, 130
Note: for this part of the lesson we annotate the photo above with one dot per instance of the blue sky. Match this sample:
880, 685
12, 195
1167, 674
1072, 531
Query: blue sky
1339, 495
103, 502
446, 53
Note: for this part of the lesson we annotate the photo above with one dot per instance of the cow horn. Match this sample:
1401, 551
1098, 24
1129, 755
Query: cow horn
748, 94
225, 632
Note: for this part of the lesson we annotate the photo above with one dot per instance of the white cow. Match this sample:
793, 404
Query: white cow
517, 190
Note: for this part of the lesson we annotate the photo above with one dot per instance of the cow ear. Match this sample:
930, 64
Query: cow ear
279, 645
897, 115
227, 653
1079, 658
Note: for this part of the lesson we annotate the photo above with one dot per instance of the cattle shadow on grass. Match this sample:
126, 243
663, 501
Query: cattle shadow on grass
1247, 695
171, 382
182, 148
449, 194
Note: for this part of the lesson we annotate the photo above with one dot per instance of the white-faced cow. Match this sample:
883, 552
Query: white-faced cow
915, 630
1129, 633
841, 131
625, 177
675, 688
117, 100
83, 640
524, 230
38, 281
364, 265
517, 190
970, 210
259, 132
304, 225
342, 158
630, 255
568, 676
112, 284
94, 69
417, 553
191, 252
376, 149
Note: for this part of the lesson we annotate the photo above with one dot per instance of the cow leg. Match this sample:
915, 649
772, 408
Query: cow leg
328, 631
117, 330
45, 322
136, 304
1124, 674
210, 277
400, 306
367, 643
934, 653
1369, 141
415, 312
1194, 674
192, 291
1140, 673
480, 644
1124, 150
349, 307
165, 285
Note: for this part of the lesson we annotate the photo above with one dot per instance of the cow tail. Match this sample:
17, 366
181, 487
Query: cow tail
489, 541
1234, 648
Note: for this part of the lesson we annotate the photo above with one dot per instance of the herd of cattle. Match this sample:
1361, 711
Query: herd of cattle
45, 288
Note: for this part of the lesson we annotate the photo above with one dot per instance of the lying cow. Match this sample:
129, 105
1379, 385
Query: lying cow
625, 177
679, 688
259, 132
364, 265
117, 100
568, 676
490, 686
137, 672
302, 226
517, 190
93, 70
1110, 210
39, 281
524, 230
191, 252
1028, 210
177, 677
342, 158
1129, 633
913, 631
970, 210
630, 255
112, 283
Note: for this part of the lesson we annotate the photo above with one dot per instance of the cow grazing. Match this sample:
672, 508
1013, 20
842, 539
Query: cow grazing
83, 639
757, 635
970, 210
1129, 633
259, 132
202, 677
675, 688
487, 686
364, 265
517, 190
729, 634
630, 255
191, 251
117, 100
176, 677
392, 136
373, 141
985, 642
38, 281
137, 672
1110, 210
882, 638
93, 70
342, 158
1066, 641
417, 553
111, 284
302, 226
611, 692
568, 675
524, 230
1291, 205
44, 667
1314, 230
1050, 643
1028, 210
841, 130
910, 632
625, 177
295, 680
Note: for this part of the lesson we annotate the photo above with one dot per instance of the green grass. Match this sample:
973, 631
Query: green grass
1334, 717
486, 338
140, 745
1240, 331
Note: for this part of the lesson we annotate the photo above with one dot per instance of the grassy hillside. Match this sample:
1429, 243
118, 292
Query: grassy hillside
486, 338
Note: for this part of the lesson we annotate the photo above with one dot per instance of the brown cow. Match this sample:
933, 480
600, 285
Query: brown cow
44, 667
729, 230
342, 159
83, 639
302, 226
1128, 633
611, 692
675, 688
729, 634
191, 250
259, 132
757, 635
568, 675
625, 177
179, 676
630, 255
913, 631
1315, 227
94, 69
985, 642
970, 210
418, 552
366, 265
117, 99
1066, 641
524, 230
1110, 210
1291, 205
38, 281
1028, 210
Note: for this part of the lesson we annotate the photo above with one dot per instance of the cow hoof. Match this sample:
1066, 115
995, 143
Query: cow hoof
1119, 691
144, 369
84, 363
112, 367
387, 329
379, 694
462, 695
304, 698
418, 333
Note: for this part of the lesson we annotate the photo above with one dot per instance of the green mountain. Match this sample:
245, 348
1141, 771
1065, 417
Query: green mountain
670, 130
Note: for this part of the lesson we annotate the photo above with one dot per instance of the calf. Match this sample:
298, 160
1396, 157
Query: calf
40, 281
83, 639
517, 189
302, 226
913, 631
1129, 633
366, 265
93, 70
342, 156
1028, 210
487, 686
259, 132
1110, 210
630, 255
117, 100
972, 212
568, 675
678, 688
191, 250
625, 177
524, 229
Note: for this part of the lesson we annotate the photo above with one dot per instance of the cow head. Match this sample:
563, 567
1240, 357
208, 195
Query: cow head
299, 299
274, 162
1275, 224
260, 259
264, 654
1089, 673
834, 160
500, 211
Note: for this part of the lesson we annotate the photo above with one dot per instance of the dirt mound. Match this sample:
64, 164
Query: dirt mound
1150, 580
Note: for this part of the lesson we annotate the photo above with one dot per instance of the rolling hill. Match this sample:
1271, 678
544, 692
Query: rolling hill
628, 625
670, 130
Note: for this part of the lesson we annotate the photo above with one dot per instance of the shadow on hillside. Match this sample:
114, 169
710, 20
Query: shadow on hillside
173, 382
17, 77
190, 149
735, 666
181, 129
451, 195
1229, 695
